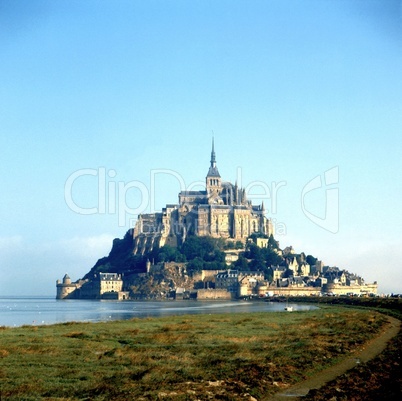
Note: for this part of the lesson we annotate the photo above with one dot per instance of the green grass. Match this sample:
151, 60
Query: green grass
178, 358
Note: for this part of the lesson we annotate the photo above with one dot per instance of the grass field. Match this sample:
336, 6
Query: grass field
194, 357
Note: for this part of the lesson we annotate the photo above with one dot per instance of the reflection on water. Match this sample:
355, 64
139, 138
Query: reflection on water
17, 311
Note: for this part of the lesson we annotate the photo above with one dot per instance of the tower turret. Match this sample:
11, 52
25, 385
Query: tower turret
213, 179
66, 279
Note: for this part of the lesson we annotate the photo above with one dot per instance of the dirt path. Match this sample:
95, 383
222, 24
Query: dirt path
367, 352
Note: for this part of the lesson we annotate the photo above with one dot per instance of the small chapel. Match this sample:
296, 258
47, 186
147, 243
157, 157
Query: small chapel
220, 211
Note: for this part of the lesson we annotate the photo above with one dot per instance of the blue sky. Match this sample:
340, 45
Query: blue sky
118, 92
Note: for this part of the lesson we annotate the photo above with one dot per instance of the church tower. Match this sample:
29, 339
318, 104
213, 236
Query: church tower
213, 179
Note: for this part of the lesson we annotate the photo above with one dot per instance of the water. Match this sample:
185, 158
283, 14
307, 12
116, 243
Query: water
18, 311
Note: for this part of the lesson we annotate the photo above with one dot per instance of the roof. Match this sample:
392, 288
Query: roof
193, 193
109, 276
213, 172
283, 282
227, 273
227, 184
298, 280
279, 268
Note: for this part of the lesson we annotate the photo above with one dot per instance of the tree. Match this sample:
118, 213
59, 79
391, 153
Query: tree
241, 264
273, 243
271, 257
239, 245
253, 251
195, 265
169, 254
311, 260
288, 273
206, 248
229, 245
258, 264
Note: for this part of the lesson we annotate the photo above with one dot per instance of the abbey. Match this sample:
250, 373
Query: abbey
221, 211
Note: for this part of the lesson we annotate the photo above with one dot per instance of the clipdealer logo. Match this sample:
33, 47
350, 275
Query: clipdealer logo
329, 184
113, 195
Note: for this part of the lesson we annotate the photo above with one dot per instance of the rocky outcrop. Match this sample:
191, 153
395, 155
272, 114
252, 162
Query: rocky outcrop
162, 281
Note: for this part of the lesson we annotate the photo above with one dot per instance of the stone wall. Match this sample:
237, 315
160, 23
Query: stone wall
339, 289
66, 291
295, 291
212, 294
203, 274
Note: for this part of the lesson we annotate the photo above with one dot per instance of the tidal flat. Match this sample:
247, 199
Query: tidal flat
187, 357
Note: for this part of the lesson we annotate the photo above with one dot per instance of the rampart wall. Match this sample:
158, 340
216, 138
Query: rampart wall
213, 294
296, 291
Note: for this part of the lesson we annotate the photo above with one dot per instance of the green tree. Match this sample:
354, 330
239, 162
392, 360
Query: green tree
271, 257
258, 265
195, 265
241, 264
253, 251
206, 248
239, 245
273, 243
311, 260
168, 253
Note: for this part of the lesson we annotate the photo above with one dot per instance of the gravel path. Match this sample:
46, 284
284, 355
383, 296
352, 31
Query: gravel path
364, 354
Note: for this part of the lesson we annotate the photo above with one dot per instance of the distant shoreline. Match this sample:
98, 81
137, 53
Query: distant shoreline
16, 311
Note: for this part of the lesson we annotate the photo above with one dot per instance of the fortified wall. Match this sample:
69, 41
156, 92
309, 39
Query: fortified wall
213, 294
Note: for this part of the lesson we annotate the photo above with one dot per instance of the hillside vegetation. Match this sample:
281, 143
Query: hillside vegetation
200, 253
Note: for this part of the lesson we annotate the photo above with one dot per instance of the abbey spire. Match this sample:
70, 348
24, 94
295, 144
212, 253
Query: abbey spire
213, 156
213, 170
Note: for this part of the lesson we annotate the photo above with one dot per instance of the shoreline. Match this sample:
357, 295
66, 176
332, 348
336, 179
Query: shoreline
230, 356
17, 312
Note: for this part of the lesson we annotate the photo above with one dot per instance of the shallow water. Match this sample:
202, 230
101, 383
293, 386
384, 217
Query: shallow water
18, 311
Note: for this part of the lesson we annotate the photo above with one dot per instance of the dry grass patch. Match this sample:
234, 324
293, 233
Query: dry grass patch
178, 356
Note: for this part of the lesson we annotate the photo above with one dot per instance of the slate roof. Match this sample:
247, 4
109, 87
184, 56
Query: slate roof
213, 172
193, 193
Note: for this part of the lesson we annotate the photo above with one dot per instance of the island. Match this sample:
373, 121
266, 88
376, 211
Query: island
214, 244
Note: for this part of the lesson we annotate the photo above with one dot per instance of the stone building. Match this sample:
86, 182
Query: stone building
103, 286
109, 282
221, 211
66, 289
241, 283
228, 280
